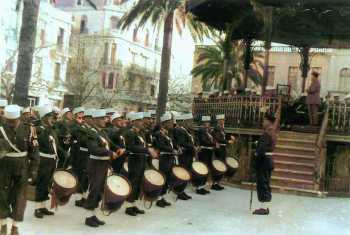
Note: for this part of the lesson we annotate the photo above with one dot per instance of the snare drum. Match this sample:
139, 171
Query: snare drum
232, 167
117, 190
179, 179
219, 169
153, 184
200, 173
64, 186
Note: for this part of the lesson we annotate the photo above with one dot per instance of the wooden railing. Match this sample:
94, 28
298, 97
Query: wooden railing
339, 118
240, 111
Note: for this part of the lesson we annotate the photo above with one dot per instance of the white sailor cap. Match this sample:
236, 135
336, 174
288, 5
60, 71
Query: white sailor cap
110, 111
116, 115
166, 117
44, 110
26, 110
152, 112
3, 103
89, 112
206, 119
99, 113
12, 112
128, 115
220, 117
65, 110
136, 116
179, 117
78, 110
56, 109
147, 114
187, 116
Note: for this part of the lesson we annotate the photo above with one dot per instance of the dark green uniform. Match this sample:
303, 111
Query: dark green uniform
184, 140
14, 170
117, 139
220, 138
62, 128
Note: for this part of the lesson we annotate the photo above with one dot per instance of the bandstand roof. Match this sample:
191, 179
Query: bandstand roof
314, 23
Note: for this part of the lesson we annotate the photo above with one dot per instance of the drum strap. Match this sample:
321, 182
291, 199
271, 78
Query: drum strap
2, 130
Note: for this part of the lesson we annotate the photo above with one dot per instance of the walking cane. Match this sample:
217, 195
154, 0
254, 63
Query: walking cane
251, 191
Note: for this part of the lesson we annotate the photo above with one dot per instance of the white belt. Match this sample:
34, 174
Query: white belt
269, 154
20, 154
222, 144
46, 155
100, 158
166, 153
204, 147
84, 149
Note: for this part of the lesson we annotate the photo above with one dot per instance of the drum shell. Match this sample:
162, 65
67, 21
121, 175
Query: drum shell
63, 194
216, 174
151, 192
178, 185
113, 202
198, 179
230, 170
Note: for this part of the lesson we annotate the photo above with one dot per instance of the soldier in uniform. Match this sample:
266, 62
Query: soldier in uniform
100, 156
47, 139
18, 146
79, 153
207, 145
184, 140
264, 163
164, 144
137, 154
220, 138
116, 136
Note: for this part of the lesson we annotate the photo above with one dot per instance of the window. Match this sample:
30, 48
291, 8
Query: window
134, 36
42, 37
83, 23
110, 84
38, 67
114, 23
113, 53
153, 90
293, 77
147, 39
105, 53
60, 38
103, 79
271, 77
57, 75
344, 80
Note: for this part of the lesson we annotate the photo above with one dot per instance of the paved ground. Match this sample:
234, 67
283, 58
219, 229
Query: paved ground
218, 213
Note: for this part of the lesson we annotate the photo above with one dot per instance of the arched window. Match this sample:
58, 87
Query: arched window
344, 83
110, 84
83, 24
114, 23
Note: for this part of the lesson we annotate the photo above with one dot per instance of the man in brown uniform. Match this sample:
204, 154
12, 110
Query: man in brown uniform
313, 98
17, 146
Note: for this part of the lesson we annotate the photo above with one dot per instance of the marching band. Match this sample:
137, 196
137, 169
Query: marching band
106, 157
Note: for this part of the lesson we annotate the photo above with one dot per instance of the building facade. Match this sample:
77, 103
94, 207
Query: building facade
51, 52
332, 64
125, 63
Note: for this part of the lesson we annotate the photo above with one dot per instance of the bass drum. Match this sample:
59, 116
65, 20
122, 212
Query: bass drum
153, 183
179, 179
219, 169
200, 173
232, 167
64, 186
117, 190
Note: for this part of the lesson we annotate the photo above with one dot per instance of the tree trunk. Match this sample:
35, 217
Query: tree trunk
266, 67
165, 66
26, 51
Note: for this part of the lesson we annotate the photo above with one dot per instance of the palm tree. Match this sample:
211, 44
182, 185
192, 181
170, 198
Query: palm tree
220, 64
25, 51
166, 14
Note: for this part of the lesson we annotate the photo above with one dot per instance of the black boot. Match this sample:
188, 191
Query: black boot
38, 214
80, 203
216, 187
130, 211
90, 221
161, 203
45, 211
182, 196
99, 222
138, 211
206, 191
261, 211
201, 191
188, 196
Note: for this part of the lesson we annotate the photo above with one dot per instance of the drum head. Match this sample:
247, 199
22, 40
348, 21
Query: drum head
118, 185
219, 166
155, 163
65, 179
154, 177
181, 173
125, 166
200, 168
231, 162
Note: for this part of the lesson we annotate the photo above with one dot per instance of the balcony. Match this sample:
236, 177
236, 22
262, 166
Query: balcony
136, 96
140, 70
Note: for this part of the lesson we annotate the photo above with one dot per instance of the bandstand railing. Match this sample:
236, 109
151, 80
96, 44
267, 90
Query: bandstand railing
339, 118
240, 111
